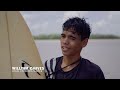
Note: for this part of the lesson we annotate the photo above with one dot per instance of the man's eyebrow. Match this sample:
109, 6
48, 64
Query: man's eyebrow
62, 34
72, 35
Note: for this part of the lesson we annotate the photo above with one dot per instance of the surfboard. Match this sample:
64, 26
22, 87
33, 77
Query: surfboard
18, 49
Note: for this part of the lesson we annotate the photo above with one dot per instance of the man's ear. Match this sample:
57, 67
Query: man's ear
84, 42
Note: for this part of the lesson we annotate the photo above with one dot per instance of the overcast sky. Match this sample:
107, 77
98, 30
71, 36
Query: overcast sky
48, 22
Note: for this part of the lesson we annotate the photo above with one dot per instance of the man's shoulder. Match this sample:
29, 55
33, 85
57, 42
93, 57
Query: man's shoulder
91, 66
54, 59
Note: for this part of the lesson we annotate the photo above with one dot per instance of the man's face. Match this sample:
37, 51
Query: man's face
71, 43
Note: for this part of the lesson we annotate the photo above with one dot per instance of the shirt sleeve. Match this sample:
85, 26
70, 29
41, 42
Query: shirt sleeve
45, 69
100, 74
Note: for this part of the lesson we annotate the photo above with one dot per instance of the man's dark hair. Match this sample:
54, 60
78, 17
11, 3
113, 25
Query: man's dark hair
79, 25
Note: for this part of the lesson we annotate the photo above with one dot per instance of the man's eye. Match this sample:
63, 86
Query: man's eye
72, 38
62, 36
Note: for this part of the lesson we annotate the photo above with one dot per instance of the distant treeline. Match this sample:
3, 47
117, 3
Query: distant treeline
93, 36
99, 36
50, 36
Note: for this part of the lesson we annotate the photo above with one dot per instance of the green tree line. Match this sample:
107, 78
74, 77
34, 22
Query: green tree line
57, 36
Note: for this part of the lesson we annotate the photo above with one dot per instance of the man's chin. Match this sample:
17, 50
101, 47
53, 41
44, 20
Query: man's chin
66, 54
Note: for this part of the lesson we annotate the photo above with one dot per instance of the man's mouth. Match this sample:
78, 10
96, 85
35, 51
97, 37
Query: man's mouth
64, 48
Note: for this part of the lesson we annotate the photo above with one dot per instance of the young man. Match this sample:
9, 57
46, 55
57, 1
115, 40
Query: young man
71, 65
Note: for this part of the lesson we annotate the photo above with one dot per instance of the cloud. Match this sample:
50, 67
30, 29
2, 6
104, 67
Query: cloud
99, 27
69, 14
35, 21
108, 25
112, 14
46, 22
37, 28
114, 17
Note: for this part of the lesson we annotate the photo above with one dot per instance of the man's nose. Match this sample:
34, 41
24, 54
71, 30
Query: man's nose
66, 41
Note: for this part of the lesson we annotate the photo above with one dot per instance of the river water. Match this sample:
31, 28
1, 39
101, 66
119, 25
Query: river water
103, 52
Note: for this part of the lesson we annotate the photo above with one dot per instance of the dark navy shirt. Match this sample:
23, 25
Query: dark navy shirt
84, 70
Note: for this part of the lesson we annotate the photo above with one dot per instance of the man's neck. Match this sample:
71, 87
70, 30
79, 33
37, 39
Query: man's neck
70, 59
67, 60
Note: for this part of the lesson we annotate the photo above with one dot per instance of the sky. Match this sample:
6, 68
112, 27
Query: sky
50, 22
